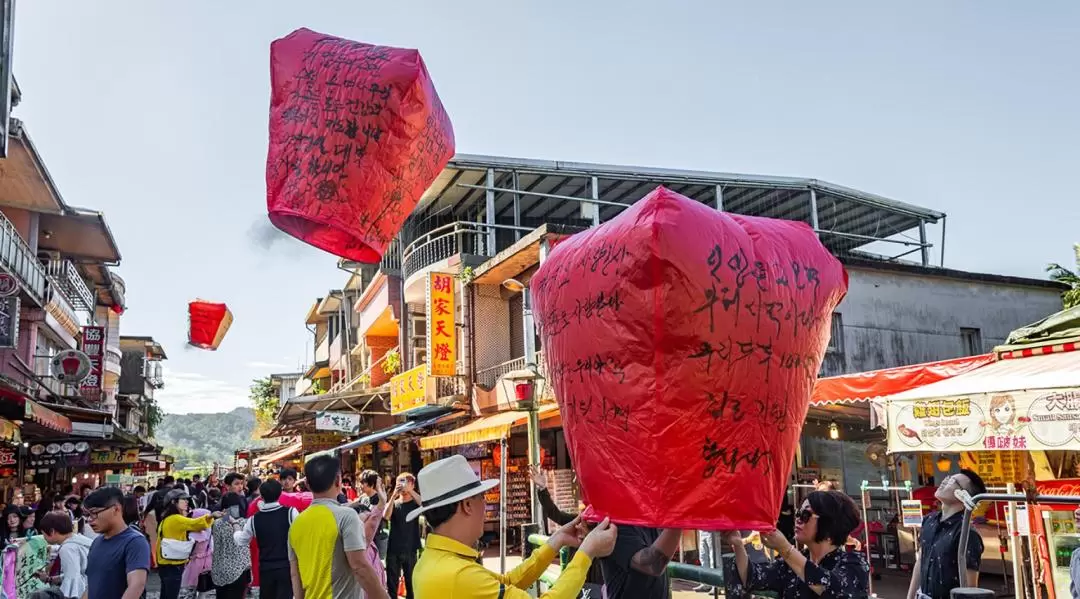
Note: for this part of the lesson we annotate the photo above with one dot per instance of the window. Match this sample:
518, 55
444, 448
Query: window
972, 341
836, 335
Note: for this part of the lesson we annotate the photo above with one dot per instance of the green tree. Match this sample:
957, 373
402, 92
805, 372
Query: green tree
1064, 275
265, 401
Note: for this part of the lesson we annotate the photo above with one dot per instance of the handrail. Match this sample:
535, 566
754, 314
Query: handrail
452, 237
676, 570
64, 275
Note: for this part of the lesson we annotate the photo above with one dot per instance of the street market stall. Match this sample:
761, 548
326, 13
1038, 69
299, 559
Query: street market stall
1028, 400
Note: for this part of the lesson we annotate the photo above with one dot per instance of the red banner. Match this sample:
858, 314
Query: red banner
683, 344
93, 345
357, 134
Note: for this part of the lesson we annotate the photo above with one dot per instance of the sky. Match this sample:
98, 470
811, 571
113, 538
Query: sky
156, 114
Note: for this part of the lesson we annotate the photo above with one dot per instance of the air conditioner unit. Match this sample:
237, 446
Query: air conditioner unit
419, 356
419, 327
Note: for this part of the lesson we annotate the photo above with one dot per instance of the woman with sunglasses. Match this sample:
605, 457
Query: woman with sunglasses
822, 571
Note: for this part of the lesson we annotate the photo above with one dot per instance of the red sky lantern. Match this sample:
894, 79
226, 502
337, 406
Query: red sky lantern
208, 323
683, 344
357, 134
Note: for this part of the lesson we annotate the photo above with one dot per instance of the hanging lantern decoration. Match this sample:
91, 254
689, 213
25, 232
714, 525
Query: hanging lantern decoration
693, 320
207, 324
944, 463
357, 135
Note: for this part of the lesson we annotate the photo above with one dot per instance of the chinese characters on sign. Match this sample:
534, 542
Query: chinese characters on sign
344, 422
441, 333
996, 467
127, 456
93, 345
1021, 420
408, 390
316, 442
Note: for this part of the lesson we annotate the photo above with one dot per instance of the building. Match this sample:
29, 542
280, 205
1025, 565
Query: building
60, 356
488, 220
141, 377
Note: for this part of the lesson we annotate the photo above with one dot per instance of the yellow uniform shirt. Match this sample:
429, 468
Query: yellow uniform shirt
448, 570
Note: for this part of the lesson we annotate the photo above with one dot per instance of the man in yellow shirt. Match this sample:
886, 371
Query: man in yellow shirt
453, 504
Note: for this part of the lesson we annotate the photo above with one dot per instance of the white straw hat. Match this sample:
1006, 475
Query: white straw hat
447, 481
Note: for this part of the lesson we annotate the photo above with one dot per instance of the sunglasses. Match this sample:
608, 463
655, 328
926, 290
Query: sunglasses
804, 516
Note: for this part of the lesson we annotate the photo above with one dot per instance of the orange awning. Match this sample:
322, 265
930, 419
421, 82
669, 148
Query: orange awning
488, 428
287, 451
864, 386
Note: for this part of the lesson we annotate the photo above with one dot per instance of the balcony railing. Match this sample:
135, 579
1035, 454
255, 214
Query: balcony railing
16, 257
462, 237
66, 277
489, 377
322, 352
450, 386
391, 261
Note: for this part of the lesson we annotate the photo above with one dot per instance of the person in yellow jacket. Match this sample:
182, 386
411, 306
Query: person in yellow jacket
175, 526
453, 505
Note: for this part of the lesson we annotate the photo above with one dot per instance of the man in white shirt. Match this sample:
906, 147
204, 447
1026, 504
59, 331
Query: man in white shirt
57, 529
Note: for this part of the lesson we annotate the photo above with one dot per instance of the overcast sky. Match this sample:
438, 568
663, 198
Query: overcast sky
156, 114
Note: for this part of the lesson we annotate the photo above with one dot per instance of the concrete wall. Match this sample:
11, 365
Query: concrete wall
892, 318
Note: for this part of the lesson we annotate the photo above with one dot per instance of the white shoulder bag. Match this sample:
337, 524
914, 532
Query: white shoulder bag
173, 550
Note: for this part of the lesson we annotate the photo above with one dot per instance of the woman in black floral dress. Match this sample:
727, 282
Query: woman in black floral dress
821, 571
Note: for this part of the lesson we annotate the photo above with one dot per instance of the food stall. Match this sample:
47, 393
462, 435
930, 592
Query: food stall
1027, 399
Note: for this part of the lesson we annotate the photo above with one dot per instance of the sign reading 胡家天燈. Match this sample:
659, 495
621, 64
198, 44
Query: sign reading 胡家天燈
441, 332
343, 422
408, 390
1021, 420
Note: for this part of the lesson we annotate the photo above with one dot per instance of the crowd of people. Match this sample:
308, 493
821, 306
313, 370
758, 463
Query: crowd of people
319, 537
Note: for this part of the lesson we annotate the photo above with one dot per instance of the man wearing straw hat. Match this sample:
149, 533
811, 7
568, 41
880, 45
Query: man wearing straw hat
454, 506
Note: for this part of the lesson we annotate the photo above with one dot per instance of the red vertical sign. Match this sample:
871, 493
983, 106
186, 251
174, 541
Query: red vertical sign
93, 345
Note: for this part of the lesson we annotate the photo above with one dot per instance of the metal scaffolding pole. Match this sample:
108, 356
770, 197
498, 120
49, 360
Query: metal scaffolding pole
502, 505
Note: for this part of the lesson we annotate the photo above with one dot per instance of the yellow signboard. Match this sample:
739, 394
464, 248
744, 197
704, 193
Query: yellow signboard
996, 467
441, 332
316, 442
408, 390
128, 456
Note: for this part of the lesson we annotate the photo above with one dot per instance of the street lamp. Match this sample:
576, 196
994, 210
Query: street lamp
524, 388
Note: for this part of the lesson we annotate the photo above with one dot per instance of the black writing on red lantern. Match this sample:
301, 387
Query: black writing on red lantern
728, 459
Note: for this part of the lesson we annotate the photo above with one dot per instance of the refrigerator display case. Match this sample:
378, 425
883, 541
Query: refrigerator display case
1062, 539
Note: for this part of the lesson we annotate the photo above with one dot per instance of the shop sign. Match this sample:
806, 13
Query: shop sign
911, 509
996, 467
9, 322
9, 431
59, 455
1022, 420
8, 457
93, 345
441, 332
1023, 525
807, 476
408, 390
316, 442
123, 456
141, 469
344, 422
9, 285
71, 366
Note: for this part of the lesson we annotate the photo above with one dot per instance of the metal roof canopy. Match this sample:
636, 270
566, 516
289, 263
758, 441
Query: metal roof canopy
528, 193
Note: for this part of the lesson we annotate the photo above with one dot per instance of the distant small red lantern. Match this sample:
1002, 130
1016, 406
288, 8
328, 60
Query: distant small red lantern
357, 134
208, 323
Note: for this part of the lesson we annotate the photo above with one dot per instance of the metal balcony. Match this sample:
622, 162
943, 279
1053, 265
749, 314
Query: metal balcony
441, 243
67, 279
17, 258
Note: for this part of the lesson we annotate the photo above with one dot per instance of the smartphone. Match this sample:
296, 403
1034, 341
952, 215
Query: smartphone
234, 512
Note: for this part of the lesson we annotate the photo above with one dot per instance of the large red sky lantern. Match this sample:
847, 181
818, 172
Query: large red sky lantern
683, 344
207, 323
357, 134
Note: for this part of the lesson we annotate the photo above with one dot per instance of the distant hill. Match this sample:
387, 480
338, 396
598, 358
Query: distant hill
202, 439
